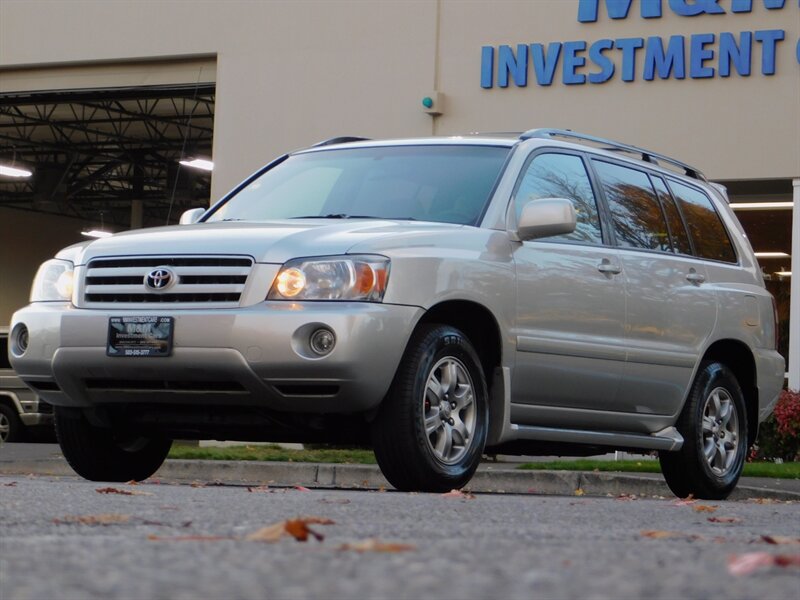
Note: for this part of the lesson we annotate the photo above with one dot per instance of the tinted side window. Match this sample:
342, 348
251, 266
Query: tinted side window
562, 176
635, 211
708, 233
680, 237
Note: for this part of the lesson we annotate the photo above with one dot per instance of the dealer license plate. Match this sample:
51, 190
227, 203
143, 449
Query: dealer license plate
139, 336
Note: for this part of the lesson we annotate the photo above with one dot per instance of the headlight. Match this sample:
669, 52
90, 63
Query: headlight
332, 278
53, 282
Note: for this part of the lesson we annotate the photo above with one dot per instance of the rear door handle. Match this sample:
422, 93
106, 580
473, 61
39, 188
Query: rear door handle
608, 268
695, 277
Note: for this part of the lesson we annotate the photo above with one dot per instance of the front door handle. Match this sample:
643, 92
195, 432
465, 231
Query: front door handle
608, 268
695, 277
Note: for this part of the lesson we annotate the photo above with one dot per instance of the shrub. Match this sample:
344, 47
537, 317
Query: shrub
779, 436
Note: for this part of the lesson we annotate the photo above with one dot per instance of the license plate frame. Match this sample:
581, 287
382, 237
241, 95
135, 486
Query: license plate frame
140, 336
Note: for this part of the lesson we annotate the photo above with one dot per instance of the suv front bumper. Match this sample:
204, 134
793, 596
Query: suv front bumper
249, 356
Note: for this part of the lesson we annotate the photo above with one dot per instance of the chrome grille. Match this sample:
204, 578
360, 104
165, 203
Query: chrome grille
199, 280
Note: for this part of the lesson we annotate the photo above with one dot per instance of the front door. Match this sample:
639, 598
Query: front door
570, 324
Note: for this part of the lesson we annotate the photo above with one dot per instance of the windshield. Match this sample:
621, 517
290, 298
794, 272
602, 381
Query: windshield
446, 184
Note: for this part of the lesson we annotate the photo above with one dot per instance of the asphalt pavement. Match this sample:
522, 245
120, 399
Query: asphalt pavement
497, 477
71, 539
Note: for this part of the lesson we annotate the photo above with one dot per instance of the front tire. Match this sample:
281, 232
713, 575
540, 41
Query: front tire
103, 454
431, 429
714, 427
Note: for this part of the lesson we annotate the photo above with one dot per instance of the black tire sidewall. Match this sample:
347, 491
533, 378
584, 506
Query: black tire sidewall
441, 343
716, 375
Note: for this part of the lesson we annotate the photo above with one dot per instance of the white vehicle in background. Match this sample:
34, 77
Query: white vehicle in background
21, 411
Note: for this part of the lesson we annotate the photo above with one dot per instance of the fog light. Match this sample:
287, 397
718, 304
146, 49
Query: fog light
19, 340
322, 341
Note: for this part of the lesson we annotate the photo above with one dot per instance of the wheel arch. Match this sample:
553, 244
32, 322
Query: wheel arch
739, 359
11, 400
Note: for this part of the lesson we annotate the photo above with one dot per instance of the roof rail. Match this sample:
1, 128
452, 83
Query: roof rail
344, 139
646, 155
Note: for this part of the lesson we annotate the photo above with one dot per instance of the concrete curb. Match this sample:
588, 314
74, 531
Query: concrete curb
490, 478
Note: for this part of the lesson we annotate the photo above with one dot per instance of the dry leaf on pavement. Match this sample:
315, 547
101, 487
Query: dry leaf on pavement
745, 564
724, 520
112, 490
704, 508
657, 534
374, 545
297, 528
259, 488
779, 539
105, 519
188, 538
579, 492
459, 494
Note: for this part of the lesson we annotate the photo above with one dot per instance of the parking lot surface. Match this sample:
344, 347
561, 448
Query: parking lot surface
68, 538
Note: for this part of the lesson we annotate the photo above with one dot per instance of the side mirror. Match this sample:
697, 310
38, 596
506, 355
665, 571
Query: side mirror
192, 215
545, 218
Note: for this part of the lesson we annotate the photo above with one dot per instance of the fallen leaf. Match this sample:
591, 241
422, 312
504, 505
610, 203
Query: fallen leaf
658, 534
189, 538
132, 482
300, 488
724, 520
105, 519
579, 492
297, 528
779, 539
334, 501
197, 484
374, 545
685, 501
626, 497
459, 494
259, 488
111, 490
704, 508
745, 564
12, 484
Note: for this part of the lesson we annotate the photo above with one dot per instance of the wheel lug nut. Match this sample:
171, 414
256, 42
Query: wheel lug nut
451, 421
452, 405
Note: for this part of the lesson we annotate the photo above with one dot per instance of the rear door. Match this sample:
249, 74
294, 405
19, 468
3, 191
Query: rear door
671, 310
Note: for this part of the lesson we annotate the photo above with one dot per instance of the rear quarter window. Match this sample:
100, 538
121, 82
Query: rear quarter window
708, 234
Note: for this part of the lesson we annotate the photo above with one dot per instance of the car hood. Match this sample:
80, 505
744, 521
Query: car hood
266, 242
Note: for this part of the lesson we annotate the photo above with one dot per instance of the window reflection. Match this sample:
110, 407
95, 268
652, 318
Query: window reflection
562, 176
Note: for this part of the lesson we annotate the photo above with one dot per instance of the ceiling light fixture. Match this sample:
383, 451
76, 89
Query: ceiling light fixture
9, 171
772, 255
198, 163
762, 205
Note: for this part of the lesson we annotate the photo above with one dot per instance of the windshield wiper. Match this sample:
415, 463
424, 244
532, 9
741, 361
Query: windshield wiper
337, 216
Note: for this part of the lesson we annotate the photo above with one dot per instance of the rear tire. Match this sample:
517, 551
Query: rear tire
714, 428
103, 454
431, 429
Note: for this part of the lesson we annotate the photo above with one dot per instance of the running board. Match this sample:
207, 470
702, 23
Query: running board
666, 439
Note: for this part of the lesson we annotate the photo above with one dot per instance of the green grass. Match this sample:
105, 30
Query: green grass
273, 452
757, 469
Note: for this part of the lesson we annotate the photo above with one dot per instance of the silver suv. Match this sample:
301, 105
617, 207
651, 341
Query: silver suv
548, 292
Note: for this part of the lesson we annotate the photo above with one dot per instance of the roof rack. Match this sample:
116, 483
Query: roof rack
344, 139
646, 155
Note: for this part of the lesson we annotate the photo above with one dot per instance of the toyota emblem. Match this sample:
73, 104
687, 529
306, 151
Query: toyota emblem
159, 279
